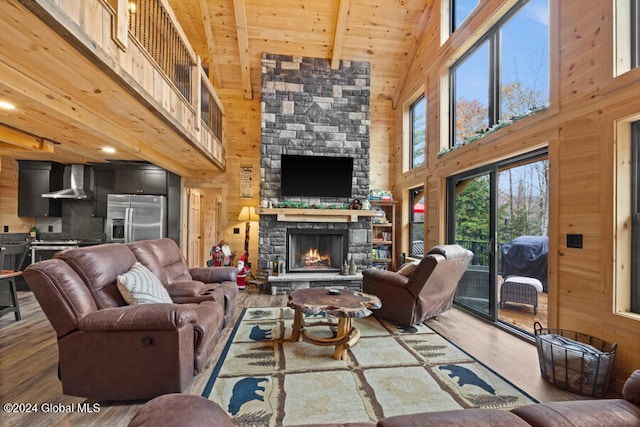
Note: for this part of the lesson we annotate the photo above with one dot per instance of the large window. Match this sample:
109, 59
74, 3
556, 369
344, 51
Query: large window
505, 76
635, 219
460, 10
416, 222
471, 94
418, 131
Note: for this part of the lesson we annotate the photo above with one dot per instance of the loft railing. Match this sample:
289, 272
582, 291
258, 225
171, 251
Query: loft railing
152, 26
210, 111
147, 42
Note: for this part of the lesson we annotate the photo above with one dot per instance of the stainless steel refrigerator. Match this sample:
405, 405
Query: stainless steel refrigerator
135, 217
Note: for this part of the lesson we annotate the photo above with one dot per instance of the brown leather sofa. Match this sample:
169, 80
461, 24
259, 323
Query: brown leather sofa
187, 285
188, 411
109, 350
427, 291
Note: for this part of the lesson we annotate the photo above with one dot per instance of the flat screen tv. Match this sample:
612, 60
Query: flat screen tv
315, 176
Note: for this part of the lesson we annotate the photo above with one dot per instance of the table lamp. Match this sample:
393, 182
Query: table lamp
248, 214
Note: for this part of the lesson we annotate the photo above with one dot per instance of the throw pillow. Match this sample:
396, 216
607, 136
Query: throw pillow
408, 268
140, 286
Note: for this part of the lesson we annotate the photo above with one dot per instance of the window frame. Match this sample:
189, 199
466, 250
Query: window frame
421, 98
635, 217
635, 33
493, 37
413, 192
452, 15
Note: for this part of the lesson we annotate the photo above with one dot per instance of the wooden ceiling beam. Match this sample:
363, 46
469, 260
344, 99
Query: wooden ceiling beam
214, 70
338, 41
23, 140
243, 47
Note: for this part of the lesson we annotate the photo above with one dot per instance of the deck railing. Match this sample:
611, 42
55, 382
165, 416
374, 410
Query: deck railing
481, 251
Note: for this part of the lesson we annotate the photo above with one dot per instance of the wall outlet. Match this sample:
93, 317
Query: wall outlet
236, 230
5, 229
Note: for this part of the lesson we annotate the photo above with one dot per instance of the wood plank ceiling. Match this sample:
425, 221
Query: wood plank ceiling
230, 37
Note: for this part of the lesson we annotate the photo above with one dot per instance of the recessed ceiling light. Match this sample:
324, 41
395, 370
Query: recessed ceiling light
109, 150
7, 105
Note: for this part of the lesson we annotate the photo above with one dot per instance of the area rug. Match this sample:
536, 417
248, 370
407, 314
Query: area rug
264, 379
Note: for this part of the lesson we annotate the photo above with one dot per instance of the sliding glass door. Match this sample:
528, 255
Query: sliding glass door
471, 224
500, 213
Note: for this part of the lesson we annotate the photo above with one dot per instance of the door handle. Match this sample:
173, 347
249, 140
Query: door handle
127, 224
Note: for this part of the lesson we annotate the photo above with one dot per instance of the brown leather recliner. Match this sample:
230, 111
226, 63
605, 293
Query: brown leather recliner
426, 292
109, 350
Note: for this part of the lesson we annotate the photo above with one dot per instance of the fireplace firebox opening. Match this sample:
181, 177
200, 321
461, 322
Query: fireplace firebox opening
316, 250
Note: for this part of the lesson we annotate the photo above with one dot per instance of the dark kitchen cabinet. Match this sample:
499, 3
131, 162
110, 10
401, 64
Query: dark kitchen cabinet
141, 181
34, 179
102, 185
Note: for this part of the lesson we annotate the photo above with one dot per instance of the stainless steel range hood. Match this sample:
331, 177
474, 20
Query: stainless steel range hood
76, 182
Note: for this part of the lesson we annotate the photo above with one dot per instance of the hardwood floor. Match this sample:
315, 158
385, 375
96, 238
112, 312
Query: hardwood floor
28, 364
521, 315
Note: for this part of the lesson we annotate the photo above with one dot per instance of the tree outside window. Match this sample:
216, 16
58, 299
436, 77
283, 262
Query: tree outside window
416, 222
418, 112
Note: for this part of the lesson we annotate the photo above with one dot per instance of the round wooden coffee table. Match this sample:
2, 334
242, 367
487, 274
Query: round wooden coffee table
346, 306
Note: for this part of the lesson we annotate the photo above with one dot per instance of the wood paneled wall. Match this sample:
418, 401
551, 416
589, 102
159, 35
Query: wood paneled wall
579, 129
242, 136
9, 198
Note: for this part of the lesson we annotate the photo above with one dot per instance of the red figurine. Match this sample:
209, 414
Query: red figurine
243, 270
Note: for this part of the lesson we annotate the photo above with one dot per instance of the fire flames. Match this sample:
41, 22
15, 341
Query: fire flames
313, 259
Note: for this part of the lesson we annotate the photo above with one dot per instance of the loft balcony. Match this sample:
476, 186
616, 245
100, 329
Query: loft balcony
107, 73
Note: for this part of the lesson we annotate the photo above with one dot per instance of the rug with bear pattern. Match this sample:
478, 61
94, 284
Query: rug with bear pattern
264, 379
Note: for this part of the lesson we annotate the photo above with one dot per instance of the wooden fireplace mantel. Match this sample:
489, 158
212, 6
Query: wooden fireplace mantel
316, 215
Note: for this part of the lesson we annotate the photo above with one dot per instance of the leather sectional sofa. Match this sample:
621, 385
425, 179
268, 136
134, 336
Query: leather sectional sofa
110, 350
194, 411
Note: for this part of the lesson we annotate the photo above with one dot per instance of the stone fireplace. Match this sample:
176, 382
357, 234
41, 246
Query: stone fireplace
310, 109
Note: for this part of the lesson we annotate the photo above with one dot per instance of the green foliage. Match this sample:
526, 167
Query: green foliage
472, 210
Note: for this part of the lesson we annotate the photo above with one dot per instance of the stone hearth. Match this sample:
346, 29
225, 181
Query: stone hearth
291, 282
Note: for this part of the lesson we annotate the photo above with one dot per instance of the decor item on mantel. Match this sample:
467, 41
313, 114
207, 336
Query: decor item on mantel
345, 269
352, 265
315, 214
248, 214
278, 266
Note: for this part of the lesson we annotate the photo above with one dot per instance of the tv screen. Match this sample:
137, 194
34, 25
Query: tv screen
315, 176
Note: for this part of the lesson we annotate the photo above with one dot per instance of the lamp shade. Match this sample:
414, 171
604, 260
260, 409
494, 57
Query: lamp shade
248, 213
